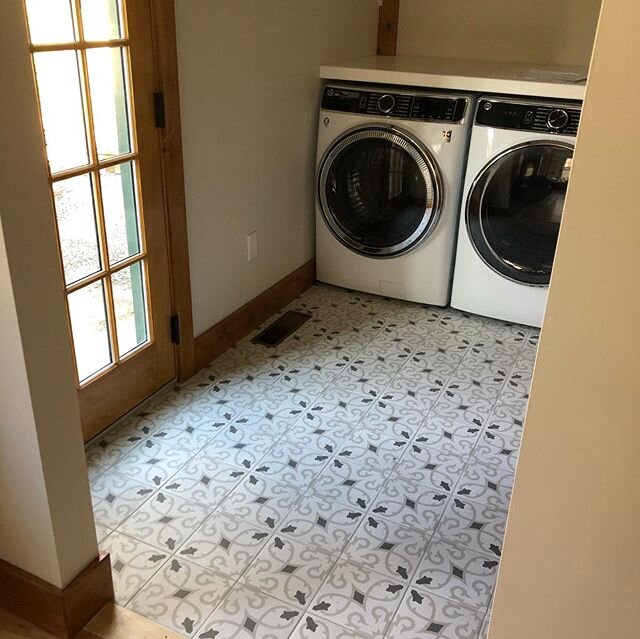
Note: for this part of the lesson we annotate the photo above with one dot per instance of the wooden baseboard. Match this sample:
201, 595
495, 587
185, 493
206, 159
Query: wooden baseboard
239, 324
63, 612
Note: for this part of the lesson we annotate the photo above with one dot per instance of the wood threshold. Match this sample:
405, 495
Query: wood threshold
240, 323
112, 622
61, 612
166, 62
388, 19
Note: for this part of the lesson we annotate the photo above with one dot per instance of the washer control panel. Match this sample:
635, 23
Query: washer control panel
546, 118
409, 106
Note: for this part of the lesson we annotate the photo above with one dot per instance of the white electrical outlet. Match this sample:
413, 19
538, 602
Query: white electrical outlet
252, 246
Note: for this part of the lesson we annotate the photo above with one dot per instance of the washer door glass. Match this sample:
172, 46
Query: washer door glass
515, 208
379, 191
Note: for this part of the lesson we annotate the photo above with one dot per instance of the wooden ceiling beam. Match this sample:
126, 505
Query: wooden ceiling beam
388, 27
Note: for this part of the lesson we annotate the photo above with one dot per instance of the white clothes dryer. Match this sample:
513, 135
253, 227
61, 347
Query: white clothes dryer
518, 170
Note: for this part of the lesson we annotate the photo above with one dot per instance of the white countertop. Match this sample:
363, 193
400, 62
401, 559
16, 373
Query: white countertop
464, 75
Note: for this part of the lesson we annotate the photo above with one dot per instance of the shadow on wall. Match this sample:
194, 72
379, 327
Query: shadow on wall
542, 32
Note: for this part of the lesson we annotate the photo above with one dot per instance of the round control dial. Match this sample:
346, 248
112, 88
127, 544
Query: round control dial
558, 119
386, 103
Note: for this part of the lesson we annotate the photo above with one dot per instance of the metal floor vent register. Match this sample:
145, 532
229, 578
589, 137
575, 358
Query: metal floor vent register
285, 326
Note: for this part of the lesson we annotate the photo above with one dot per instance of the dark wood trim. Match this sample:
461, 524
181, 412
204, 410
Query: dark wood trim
239, 324
388, 27
61, 611
166, 60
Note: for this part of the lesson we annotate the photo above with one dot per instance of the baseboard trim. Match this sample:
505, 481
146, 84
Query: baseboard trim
63, 612
240, 323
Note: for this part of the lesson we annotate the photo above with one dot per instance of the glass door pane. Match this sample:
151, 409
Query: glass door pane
50, 21
109, 100
77, 227
60, 89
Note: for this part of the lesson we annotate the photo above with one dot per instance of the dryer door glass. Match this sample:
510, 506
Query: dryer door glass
515, 208
379, 192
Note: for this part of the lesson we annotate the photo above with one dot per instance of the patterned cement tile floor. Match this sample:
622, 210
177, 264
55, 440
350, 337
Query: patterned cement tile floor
353, 482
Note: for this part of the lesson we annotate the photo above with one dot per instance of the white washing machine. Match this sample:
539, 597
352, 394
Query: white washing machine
389, 175
517, 175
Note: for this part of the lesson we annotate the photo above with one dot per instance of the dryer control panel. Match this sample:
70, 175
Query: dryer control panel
543, 117
408, 106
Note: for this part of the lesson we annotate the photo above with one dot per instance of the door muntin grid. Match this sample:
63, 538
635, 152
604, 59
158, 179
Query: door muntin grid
88, 118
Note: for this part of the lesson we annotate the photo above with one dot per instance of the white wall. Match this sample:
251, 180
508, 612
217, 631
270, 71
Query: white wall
46, 520
543, 32
249, 96
571, 565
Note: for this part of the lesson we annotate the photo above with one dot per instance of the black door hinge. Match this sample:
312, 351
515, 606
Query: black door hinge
158, 106
175, 329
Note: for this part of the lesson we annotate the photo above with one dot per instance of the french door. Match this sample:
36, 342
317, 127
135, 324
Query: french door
94, 71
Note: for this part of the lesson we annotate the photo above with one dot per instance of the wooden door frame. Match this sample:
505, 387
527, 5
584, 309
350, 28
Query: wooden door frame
166, 63
388, 18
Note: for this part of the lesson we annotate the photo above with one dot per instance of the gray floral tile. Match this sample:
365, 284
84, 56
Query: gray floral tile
423, 614
450, 410
468, 398
480, 386
458, 574
181, 596
188, 422
386, 547
484, 631
116, 496
487, 485
392, 420
358, 599
440, 355
321, 523
291, 397
342, 406
291, 463
116, 443
474, 526
307, 380
239, 446
261, 501
246, 613
262, 415
153, 462
418, 397
325, 436
386, 360
102, 532
224, 544
411, 504
186, 436
498, 450
133, 563
430, 466
364, 377
165, 521
288, 570
377, 412
218, 408
515, 408
454, 437
348, 483
370, 449
205, 481
315, 627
